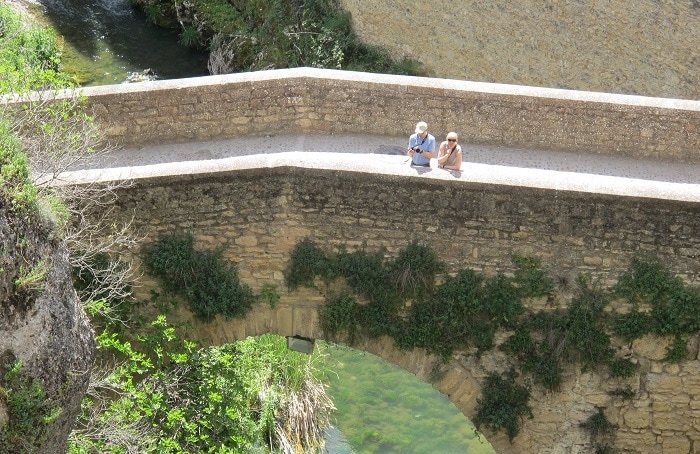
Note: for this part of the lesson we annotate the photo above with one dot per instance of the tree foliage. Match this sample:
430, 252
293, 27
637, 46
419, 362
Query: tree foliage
267, 34
170, 395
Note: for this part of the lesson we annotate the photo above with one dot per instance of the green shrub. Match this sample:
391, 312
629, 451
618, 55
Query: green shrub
30, 412
601, 431
598, 424
366, 274
269, 294
306, 262
414, 270
677, 351
584, 328
455, 317
340, 316
203, 278
379, 318
546, 340
647, 280
678, 314
502, 301
247, 396
674, 308
622, 368
15, 184
632, 325
503, 404
30, 57
530, 278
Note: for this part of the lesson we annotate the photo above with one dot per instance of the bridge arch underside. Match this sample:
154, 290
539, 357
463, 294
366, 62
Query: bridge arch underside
260, 214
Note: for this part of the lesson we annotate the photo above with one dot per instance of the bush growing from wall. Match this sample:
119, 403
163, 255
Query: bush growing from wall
503, 404
661, 304
203, 278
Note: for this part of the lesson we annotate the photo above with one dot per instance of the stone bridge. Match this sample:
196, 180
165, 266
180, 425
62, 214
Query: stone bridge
259, 161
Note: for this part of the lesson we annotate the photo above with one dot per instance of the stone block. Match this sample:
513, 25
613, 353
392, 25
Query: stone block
676, 443
637, 418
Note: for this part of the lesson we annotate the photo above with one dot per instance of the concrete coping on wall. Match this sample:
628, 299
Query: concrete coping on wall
398, 80
385, 156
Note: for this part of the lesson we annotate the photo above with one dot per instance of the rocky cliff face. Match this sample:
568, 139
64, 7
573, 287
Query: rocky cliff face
42, 322
644, 47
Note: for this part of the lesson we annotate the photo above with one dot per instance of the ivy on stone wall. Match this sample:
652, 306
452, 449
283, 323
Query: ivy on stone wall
209, 283
401, 298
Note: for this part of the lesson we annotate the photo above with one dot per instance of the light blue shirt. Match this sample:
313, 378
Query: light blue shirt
427, 144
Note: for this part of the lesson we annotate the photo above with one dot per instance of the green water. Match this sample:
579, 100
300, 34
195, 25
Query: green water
382, 408
110, 42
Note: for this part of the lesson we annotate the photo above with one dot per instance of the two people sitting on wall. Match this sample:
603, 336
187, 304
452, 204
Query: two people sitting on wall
421, 148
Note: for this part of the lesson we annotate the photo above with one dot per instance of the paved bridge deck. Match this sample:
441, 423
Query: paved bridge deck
384, 155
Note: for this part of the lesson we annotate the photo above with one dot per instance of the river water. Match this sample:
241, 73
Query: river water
382, 408
110, 42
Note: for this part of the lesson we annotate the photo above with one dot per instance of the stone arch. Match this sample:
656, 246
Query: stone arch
460, 383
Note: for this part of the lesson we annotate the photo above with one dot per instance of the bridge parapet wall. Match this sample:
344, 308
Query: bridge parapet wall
319, 101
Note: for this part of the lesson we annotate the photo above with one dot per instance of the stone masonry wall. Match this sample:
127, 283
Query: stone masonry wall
643, 47
313, 101
260, 214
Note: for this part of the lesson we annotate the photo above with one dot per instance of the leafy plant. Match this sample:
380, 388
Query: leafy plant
646, 281
601, 430
414, 270
30, 412
622, 368
632, 325
31, 279
30, 57
203, 278
677, 351
340, 316
674, 308
456, 317
366, 274
503, 404
530, 278
167, 394
306, 262
269, 294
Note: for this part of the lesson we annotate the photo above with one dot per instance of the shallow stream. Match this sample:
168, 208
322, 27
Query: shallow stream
110, 42
383, 409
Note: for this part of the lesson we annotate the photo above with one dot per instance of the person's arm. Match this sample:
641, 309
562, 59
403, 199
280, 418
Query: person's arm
411, 144
430, 152
458, 165
442, 154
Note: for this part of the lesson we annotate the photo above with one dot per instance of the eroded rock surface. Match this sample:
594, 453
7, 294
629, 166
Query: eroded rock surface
42, 322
